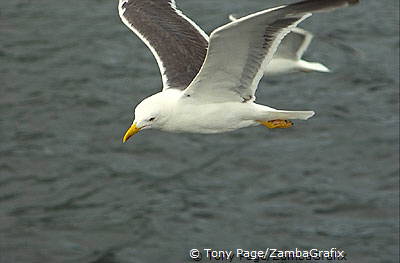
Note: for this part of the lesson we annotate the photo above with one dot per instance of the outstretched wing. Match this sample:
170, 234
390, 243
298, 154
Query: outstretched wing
176, 42
239, 51
293, 45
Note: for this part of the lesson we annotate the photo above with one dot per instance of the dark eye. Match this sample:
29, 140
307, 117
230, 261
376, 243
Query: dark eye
152, 119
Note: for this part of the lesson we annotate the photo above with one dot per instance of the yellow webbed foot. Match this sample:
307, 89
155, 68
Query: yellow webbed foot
277, 124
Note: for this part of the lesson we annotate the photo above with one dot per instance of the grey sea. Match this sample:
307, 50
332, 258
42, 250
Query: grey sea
70, 191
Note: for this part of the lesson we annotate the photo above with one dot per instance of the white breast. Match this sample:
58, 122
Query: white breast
189, 116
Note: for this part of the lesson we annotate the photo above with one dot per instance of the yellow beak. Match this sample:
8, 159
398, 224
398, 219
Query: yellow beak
130, 132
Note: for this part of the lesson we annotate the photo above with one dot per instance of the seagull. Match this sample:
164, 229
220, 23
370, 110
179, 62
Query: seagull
288, 56
209, 83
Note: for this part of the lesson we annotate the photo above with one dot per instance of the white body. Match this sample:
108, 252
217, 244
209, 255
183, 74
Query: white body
219, 93
184, 114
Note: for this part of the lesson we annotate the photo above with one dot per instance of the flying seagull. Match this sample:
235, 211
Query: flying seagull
288, 56
209, 84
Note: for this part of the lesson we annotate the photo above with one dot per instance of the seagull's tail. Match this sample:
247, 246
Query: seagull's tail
290, 115
312, 66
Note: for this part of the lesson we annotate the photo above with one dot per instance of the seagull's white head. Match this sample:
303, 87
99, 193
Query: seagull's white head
152, 112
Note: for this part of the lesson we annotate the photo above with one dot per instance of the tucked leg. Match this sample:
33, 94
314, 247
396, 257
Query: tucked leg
277, 124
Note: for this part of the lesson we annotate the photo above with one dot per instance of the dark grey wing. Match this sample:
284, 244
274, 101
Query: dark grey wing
239, 51
294, 44
176, 42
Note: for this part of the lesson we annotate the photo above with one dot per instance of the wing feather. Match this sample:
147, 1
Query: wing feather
176, 42
239, 51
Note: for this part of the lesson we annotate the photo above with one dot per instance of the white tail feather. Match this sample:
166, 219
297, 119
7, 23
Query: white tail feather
290, 115
312, 66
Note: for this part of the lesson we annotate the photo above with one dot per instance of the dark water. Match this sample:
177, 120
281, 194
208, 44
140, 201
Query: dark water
70, 75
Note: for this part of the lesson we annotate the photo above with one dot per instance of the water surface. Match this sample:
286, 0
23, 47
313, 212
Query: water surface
71, 74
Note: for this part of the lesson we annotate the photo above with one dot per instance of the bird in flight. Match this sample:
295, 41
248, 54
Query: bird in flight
209, 83
288, 56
